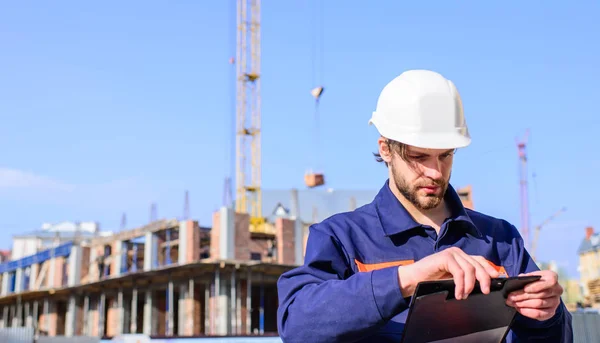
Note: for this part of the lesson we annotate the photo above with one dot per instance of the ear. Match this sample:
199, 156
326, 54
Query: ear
384, 150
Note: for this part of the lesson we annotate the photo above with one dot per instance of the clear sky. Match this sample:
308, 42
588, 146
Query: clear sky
107, 108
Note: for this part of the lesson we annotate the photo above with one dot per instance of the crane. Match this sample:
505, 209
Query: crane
539, 227
248, 115
316, 178
521, 146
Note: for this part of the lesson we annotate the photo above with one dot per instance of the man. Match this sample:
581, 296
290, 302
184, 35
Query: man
362, 267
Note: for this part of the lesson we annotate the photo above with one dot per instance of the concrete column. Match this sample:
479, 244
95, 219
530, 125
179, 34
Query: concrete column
226, 233
148, 315
101, 314
35, 269
19, 280
121, 312
183, 294
15, 321
19, 316
94, 272
222, 297
299, 241
249, 303
232, 300
28, 317
71, 317
74, 266
117, 253
134, 304
86, 309
261, 311
35, 314
238, 305
170, 312
51, 276
187, 307
208, 315
5, 283
150, 251
5, 316
46, 311
183, 242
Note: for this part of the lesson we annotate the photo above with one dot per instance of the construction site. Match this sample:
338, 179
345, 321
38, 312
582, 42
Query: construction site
170, 278
184, 278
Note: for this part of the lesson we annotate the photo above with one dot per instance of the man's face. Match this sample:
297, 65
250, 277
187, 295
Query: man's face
424, 177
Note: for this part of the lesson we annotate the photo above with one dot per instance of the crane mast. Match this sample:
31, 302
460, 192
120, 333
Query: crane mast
521, 146
248, 118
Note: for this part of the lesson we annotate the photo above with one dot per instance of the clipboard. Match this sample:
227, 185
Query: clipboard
435, 316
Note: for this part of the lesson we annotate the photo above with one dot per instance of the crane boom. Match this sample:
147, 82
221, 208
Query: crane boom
248, 114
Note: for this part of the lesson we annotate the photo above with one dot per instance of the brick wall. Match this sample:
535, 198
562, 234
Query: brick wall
246, 244
193, 241
242, 236
57, 280
215, 236
286, 248
259, 246
85, 263
115, 248
112, 316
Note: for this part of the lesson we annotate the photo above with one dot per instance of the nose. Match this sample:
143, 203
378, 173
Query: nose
433, 169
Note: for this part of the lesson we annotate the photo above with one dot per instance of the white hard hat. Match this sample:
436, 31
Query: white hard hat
421, 108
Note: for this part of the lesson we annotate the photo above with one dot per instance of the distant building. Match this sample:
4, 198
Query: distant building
4, 255
466, 196
52, 235
571, 288
589, 266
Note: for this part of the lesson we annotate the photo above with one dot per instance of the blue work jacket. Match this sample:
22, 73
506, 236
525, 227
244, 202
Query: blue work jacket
347, 289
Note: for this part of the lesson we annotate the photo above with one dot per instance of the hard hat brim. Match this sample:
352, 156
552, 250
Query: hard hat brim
428, 140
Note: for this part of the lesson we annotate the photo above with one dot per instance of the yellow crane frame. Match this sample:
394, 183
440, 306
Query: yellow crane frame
248, 116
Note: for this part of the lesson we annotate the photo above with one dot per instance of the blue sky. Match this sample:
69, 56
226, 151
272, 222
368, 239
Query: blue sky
107, 108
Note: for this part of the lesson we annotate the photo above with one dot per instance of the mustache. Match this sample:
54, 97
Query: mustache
432, 183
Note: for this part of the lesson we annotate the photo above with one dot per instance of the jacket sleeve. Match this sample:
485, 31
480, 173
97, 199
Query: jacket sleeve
324, 301
557, 329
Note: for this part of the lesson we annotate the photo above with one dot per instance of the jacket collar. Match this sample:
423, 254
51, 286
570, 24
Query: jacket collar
395, 218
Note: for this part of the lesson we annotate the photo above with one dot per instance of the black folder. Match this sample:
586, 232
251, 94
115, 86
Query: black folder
435, 316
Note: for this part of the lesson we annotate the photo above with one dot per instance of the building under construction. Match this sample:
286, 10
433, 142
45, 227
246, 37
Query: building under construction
170, 277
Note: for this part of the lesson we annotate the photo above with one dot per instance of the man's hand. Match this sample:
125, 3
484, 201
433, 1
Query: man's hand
450, 263
540, 299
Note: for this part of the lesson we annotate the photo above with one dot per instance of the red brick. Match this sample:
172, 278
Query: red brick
286, 248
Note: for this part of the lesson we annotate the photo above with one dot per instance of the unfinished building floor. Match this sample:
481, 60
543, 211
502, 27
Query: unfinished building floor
197, 299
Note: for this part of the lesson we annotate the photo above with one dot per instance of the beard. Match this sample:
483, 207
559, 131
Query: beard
411, 192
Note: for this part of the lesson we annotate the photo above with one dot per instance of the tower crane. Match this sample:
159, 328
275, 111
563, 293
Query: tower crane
316, 178
521, 146
534, 243
248, 115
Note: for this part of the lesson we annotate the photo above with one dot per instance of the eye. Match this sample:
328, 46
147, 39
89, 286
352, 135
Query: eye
447, 154
418, 157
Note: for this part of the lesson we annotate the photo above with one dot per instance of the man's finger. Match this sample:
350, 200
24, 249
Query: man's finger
458, 275
481, 274
543, 303
521, 295
469, 274
548, 280
488, 267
